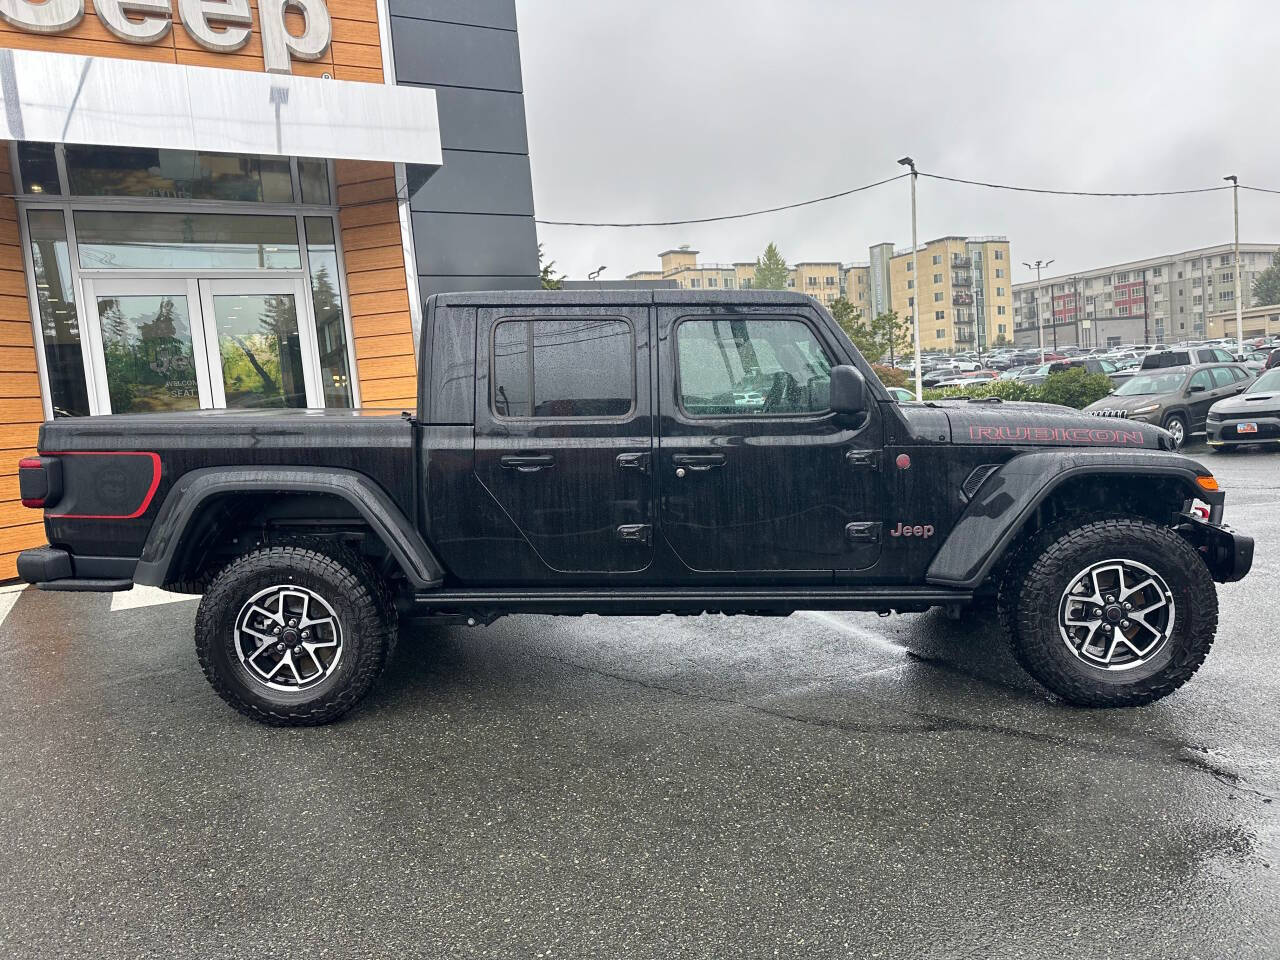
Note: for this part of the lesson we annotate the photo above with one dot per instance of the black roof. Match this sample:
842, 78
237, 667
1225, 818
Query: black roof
625, 298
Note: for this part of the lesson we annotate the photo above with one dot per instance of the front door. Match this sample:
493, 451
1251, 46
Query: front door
563, 440
756, 474
186, 344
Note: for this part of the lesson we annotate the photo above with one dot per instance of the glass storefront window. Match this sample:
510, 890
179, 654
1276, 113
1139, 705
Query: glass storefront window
98, 171
260, 349
150, 353
314, 177
326, 299
38, 167
192, 241
59, 322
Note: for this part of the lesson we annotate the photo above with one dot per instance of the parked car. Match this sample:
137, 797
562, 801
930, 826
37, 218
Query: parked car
1176, 398
1158, 359
579, 454
1251, 417
1273, 360
902, 394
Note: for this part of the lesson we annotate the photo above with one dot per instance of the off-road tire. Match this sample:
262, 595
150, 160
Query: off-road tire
358, 596
1186, 429
1040, 571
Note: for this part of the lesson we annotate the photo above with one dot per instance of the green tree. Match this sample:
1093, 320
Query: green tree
1266, 285
893, 335
852, 323
547, 273
771, 270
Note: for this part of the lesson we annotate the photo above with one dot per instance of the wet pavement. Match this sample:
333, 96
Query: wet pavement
827, 785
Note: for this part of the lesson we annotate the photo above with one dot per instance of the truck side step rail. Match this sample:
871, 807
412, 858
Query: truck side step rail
484, 605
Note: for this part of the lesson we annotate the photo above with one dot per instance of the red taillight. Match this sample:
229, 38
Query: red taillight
39, 481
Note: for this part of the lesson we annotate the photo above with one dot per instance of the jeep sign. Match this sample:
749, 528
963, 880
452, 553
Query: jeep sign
222, 26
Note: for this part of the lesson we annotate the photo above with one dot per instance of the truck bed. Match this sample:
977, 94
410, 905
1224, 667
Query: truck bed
129, 490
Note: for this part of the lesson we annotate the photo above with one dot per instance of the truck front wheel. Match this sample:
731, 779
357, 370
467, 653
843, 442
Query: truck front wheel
295, 635
1113, 613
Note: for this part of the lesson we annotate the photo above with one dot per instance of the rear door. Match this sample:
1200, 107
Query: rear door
756, 474
564, 438
1201, 395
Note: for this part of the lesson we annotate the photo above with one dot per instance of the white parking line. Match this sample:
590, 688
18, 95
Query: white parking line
145, 597
8, 597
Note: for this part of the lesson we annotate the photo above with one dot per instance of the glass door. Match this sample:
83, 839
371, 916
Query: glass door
259, 354
188, 344
150, 354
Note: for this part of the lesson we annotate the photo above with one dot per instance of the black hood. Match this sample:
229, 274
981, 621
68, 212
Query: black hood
985, 422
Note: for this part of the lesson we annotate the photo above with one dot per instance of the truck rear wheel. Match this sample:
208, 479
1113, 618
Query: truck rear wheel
1113, 613
295, 635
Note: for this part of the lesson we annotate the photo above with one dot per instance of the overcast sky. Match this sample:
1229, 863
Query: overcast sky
669, 109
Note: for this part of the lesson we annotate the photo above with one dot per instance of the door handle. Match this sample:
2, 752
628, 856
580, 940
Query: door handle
701, 462
528, 464
633, 461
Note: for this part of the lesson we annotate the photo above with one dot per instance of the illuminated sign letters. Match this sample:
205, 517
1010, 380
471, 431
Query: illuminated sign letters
222, 26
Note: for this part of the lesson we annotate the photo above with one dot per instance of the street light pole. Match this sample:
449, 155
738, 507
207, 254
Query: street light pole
915, 276
1039, 264
1235, 198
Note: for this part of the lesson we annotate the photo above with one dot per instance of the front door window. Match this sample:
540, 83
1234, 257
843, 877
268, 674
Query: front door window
259, 349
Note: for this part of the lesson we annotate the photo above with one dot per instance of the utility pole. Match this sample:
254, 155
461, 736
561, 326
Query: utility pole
1039, 264
915, 275
1076, 308
1235, 198
1146, 335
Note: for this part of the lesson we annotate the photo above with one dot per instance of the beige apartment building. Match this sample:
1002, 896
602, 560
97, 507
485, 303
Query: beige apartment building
824, 280
1261, 321
964, 289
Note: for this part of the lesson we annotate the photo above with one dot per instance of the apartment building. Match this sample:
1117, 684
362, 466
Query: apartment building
824, 280
1160, 299
964, 290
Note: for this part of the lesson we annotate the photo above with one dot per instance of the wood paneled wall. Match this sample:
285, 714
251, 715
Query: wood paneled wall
370, 239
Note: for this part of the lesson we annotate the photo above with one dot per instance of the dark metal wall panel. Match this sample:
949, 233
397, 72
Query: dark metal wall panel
476, 183
473, 218
475, 245
439, 54
499, 14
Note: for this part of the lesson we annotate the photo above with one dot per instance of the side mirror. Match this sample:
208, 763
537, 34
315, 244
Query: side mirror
1195, 388
848, 390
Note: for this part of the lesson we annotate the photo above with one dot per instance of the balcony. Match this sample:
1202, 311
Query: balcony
960, 263
961, 280
962, 299
964, 335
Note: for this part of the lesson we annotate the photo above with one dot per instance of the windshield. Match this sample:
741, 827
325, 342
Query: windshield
1145, 384
1268, 381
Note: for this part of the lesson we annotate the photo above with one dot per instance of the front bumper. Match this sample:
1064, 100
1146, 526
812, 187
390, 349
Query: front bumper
51, 568
1227, 554
1223, 433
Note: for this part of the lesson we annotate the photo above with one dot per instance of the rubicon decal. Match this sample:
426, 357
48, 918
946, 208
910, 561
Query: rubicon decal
923, 531
1061, 434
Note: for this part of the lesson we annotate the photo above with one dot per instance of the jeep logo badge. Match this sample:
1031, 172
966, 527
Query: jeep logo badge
923, 531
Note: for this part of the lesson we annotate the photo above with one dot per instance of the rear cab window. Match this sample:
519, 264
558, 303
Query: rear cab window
563, 369
751, 367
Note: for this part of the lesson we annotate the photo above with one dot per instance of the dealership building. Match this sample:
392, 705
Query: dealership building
225, 203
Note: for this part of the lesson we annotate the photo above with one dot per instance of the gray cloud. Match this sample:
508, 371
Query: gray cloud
666, 109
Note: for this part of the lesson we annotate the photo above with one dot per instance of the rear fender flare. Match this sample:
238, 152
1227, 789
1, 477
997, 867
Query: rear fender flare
193, 490
1008, 498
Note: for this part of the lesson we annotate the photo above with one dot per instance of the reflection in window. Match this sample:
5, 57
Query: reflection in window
59, 322
314, 178
200, 241
150, 356
38, 167
102, 171
260, 349
326, 299
751, 368
563, 368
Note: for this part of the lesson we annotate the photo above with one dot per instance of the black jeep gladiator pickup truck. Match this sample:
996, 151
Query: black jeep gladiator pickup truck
637, 453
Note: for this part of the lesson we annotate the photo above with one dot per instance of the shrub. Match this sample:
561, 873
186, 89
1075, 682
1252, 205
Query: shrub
890, 376
1074, 387
1004, 389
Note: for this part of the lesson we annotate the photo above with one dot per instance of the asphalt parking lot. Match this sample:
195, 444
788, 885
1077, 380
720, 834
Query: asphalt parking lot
826, 785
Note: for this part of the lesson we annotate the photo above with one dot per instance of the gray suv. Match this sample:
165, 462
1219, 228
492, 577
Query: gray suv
1183, 356
1176, 398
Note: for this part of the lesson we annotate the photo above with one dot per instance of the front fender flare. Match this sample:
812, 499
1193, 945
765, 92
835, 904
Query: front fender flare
1009, 496
192, 490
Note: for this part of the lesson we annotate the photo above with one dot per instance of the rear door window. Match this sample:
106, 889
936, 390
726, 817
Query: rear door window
751, 367
558, 369
1222, 377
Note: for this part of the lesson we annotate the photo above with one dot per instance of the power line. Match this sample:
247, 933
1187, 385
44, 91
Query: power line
731, 216
1080, 193
1258, 189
